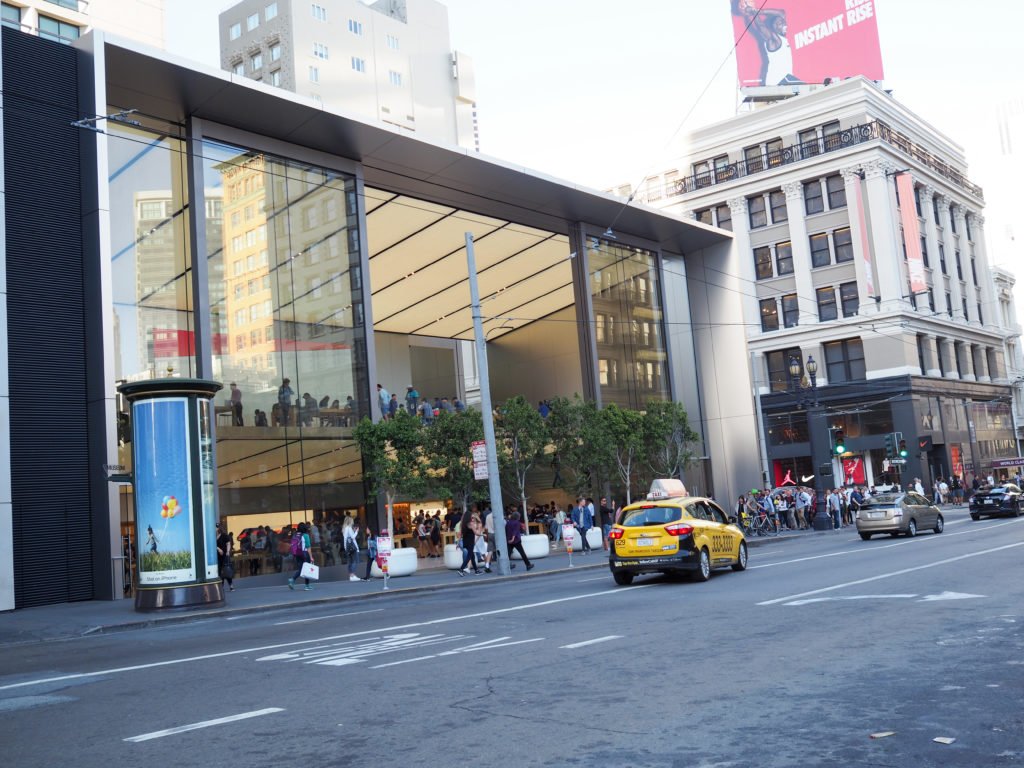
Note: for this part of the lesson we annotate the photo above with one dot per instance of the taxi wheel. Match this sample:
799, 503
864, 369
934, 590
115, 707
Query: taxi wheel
741, 561
939, 524
866, 536
912, 528
703, 573
622, 578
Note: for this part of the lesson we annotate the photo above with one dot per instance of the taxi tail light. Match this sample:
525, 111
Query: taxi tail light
898, 512
678, 529
615, 533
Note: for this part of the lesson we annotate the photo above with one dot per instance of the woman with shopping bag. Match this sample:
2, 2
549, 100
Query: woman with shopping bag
300, 553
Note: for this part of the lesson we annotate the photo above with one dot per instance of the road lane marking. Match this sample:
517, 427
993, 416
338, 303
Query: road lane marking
204, 724
258, 649
595, 578
591, 642
890, 574
321, 618
849, 597
485, 646
874, 548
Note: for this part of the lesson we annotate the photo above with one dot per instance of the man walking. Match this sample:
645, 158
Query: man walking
236, 405
384, 400
514, 536
583, 520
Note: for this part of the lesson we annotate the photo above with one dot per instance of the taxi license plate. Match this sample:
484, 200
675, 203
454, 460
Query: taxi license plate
876, 515
645, 542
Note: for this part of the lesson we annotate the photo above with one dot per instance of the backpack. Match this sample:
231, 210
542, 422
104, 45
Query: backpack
296, 545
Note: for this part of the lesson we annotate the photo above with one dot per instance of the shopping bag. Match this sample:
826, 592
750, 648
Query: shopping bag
310, 571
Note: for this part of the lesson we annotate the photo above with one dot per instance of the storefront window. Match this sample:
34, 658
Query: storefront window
151, 264
627, 294
288, 337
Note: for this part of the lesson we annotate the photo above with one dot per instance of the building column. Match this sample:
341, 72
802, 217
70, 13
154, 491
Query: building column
955, 287
958, 214
745, 255
939, 352
885, 240
996, 370
805, 297
949, 355
867, 281
931, 364
988, 288
969, 372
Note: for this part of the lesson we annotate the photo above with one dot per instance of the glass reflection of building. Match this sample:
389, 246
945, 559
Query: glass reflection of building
628, 324
285, 302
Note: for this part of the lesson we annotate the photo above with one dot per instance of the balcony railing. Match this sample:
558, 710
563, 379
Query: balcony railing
794, 153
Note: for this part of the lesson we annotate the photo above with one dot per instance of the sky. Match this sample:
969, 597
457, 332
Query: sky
601, 93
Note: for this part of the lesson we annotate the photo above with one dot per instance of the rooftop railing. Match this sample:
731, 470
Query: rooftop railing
857, 134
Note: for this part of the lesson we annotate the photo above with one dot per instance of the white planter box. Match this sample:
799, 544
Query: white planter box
536, 545
403, 562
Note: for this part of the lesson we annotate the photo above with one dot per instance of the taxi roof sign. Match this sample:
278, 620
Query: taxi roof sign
666, 489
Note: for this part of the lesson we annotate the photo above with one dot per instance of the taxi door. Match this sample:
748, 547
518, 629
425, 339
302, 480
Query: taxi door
722, 545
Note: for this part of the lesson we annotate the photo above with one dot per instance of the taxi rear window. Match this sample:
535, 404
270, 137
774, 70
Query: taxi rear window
634, 518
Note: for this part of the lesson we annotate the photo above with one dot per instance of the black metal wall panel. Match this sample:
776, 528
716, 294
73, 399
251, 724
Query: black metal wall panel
45, 323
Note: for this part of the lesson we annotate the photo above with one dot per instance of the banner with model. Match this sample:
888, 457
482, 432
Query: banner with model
790, 42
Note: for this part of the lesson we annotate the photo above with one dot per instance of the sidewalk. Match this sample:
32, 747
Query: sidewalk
263, 593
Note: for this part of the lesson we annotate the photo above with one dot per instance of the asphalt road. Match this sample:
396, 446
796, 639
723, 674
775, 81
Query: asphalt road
822, 642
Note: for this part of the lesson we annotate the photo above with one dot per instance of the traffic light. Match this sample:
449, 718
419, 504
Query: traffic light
840, 443
903, 449
890, 445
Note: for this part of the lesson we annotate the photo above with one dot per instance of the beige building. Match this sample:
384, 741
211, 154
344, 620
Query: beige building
390, 61
66, 20
807, 186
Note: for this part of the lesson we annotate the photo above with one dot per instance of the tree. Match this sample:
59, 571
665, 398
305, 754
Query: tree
447, 444
580, 441
625, 433
521, 438
668, 439
392, 453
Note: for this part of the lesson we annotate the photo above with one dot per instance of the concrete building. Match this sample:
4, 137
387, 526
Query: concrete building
807, 187
66, 20
390, 60
244, 234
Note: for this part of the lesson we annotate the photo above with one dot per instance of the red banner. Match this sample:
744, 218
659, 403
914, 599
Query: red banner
853, 471
786, 42
869, 269
911, 233
958, 462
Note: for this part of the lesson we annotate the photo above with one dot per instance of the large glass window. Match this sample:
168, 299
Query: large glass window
779, 378
778, 201
790, 310
763, 262
850, 298
836, 192
286, 319
844, 360
813, 202
784, 258
826, 303
756, 209
843, 241
151, 262
55, 29
769, 315
627, 293
820, 256
10, 15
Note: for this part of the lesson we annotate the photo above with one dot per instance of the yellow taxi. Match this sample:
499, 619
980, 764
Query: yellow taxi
671, 532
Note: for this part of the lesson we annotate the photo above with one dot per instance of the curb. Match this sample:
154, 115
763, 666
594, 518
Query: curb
188, 616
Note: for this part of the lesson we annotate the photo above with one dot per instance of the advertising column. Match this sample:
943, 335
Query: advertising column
174, 493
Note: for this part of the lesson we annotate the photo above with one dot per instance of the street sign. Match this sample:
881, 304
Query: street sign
897, 461
479, 449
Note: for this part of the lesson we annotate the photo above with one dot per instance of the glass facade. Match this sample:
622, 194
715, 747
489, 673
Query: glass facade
626, 294
289, 340
284, 301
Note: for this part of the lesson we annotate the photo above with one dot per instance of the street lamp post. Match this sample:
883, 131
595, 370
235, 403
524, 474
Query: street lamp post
807, 398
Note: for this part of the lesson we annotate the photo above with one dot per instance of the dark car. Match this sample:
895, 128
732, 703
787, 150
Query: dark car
997, 500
